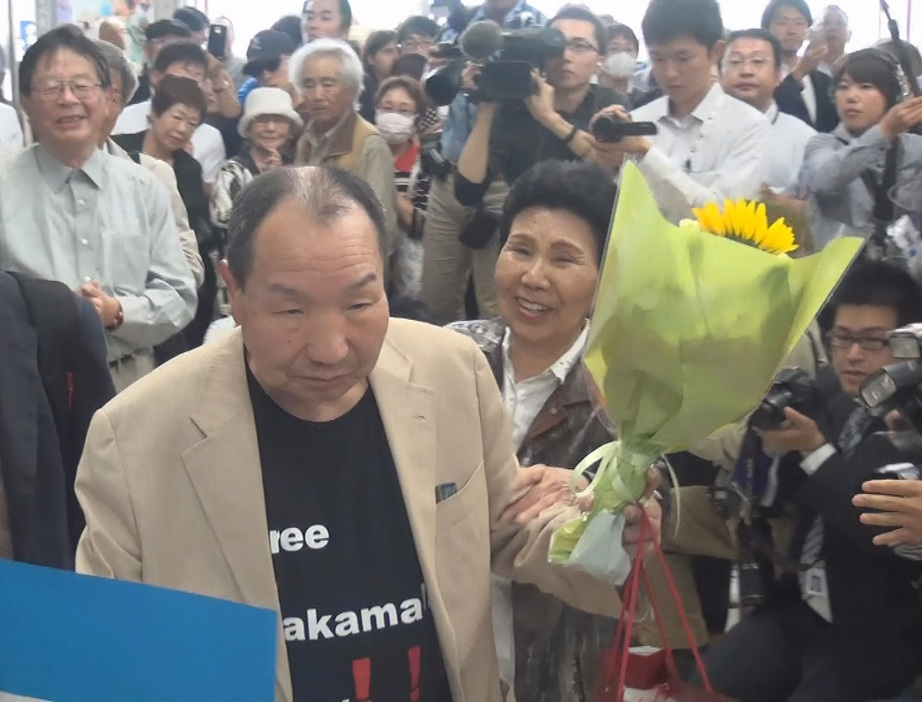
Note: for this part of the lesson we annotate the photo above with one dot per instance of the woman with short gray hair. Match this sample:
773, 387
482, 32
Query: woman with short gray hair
329, 76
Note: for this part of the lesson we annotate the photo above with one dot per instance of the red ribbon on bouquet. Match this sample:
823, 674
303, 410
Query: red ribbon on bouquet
615, 673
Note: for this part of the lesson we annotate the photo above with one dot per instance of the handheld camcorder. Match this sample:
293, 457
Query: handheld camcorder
611, 128
507, 59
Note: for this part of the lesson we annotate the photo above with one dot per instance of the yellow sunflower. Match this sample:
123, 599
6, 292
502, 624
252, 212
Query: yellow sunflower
746, 222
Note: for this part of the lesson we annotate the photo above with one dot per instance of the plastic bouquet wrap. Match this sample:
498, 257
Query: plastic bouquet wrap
690, 326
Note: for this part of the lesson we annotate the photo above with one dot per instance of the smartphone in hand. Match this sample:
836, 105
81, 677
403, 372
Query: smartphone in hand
217, 41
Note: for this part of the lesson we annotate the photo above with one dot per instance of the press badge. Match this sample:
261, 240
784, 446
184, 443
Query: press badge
817, 593
816, 582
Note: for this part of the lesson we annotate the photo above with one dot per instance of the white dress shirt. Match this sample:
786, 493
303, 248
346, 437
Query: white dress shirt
524, 400
207, 144
787, 144
10, 130
716, 152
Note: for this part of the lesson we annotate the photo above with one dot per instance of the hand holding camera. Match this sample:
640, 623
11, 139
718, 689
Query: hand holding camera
901, 118
541, 104
617, 135
797, 433
899, 506
784, 418
812, 58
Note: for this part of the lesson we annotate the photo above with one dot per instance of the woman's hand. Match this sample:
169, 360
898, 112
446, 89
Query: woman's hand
544, 487
901, 118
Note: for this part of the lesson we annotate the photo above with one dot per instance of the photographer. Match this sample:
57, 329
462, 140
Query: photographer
449, 264
842, 624
510, 138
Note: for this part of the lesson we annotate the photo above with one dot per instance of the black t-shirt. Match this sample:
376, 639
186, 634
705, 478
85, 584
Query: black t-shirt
355, 611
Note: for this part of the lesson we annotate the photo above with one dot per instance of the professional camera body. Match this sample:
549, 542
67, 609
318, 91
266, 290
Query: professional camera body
792, 388
899, 385
507, 60
507, 75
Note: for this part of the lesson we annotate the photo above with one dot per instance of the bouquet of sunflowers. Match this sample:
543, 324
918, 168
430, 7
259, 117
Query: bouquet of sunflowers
690, 326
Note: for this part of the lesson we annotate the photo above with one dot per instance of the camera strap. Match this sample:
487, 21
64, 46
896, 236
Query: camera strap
879, 189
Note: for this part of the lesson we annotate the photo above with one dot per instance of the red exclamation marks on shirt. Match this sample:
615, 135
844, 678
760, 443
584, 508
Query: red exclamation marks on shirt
361, 675
414, 654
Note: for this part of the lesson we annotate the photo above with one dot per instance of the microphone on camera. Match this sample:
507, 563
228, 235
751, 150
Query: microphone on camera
481, 40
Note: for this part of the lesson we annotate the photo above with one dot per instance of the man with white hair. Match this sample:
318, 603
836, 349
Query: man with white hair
329, 76
834, 29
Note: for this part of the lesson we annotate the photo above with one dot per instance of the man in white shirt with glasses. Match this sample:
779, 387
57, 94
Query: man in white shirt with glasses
751, 73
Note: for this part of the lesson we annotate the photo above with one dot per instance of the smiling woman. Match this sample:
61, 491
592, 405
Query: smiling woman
553, 230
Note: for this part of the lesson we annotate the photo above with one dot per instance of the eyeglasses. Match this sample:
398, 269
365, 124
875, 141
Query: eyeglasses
786, 22
581, 46
53, 89
413, 46
838, 340
757, 62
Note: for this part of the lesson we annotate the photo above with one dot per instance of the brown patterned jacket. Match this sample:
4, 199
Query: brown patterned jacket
558, 648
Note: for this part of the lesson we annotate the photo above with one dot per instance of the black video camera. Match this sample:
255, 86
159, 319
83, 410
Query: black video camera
507, 76
507, 60
794, 388
611, 128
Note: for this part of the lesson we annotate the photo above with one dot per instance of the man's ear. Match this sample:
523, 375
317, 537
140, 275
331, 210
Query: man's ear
234, 290
155, 78
716, 54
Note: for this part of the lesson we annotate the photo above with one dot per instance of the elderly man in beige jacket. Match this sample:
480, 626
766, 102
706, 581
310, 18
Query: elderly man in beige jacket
352, 472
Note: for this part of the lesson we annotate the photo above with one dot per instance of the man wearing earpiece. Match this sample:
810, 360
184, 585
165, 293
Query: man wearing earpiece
510, 138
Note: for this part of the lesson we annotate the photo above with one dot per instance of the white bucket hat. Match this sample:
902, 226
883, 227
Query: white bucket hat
267, 101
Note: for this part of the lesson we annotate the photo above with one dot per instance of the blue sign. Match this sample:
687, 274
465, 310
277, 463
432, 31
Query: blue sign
75, 638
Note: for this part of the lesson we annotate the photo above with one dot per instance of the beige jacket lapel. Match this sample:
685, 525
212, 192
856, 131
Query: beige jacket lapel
226, 473
408, 413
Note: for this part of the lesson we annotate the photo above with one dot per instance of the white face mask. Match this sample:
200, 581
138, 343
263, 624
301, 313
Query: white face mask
396, 128
620, 65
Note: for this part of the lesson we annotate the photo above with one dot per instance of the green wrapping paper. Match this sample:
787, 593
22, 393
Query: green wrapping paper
688, 331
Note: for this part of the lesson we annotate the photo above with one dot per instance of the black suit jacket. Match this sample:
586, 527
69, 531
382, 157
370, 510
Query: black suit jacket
30, 455
53, 378
790, 101
876, 609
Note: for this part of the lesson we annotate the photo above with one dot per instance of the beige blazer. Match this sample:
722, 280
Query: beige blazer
171, 486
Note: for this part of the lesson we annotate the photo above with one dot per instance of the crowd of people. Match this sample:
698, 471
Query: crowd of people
334, 294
